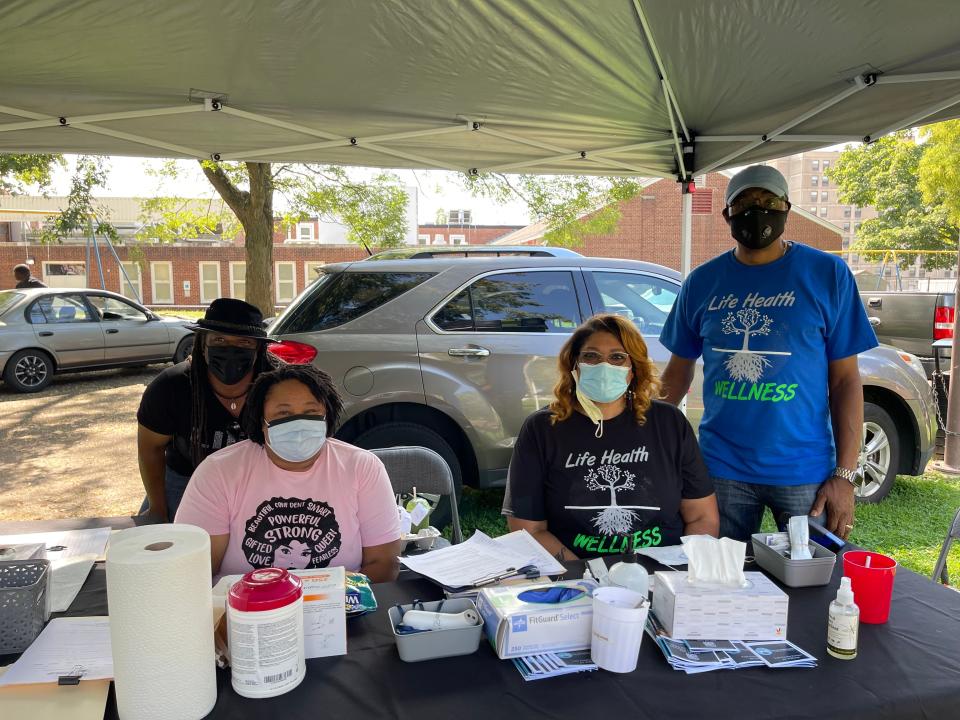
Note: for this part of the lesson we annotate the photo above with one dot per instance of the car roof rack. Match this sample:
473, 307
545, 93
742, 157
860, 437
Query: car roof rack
419, 253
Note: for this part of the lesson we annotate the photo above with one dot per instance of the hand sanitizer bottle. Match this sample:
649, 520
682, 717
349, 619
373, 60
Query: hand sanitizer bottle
630, 574
843, 623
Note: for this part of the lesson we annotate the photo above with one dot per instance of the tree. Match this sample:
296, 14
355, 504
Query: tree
373, 210
940, 168
82, 213
19, 171
886, 175
573, 207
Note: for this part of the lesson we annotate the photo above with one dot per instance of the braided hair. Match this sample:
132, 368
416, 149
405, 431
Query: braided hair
198, 379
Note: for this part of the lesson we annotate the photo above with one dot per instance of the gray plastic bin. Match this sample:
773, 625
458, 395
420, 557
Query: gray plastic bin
795, 573
24, 602
437, 643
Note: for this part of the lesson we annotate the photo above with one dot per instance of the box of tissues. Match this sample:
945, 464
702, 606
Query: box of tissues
715, 599
756, 611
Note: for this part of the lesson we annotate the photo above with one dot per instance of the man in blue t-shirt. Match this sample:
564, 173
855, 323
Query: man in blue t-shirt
779, 326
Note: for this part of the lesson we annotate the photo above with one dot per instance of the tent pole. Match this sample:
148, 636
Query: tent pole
126, 277
914, 119
686, 233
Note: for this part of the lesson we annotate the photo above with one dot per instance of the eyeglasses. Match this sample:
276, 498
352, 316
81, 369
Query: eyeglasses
590, 357
748, 202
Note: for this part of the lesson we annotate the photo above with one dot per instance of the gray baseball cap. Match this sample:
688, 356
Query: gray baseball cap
757, 176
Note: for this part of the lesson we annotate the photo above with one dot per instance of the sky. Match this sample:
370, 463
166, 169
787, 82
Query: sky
437, 190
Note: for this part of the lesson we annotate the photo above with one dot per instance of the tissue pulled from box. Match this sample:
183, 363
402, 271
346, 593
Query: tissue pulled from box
713, 561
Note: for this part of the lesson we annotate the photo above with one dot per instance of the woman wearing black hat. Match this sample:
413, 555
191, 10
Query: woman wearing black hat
194, 408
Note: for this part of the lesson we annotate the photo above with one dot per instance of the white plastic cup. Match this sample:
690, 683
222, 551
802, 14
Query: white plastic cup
619, 616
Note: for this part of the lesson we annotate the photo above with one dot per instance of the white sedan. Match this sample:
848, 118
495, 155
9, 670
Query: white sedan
49, 330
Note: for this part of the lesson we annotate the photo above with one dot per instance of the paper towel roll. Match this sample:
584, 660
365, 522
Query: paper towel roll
161, 625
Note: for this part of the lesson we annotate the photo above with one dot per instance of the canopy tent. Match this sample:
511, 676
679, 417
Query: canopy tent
657, 88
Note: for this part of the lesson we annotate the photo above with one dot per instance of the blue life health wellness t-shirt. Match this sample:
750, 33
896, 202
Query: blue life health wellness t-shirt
767, 334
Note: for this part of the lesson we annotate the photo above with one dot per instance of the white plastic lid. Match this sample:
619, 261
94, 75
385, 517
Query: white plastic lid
845, 592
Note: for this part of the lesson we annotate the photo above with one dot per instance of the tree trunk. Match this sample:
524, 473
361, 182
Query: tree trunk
258, 226
259, 246
254, 210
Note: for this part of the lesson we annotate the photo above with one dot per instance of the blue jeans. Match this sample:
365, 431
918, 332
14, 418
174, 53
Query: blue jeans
742, 505
174, 485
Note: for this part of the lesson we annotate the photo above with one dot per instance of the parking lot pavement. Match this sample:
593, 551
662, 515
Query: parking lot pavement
71, 450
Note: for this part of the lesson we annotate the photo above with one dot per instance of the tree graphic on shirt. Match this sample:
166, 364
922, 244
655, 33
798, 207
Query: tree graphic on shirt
613, 519
744, 363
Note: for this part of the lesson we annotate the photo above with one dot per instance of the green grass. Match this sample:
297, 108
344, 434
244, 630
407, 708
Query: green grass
909, 525
192, 314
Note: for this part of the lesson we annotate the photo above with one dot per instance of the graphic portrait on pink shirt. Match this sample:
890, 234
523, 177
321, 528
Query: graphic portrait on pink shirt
292, 496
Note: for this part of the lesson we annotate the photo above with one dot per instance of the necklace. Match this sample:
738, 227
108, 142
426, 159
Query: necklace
232, 400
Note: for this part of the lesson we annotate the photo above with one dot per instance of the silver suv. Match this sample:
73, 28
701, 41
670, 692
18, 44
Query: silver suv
452, 349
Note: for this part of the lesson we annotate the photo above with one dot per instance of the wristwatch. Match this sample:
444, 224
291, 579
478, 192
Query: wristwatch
851, 476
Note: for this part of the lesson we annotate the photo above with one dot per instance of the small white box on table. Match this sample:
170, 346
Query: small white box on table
690, 611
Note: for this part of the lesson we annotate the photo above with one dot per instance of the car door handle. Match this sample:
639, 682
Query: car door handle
45, 333
875, 302
468, 352
112, 331
875, 321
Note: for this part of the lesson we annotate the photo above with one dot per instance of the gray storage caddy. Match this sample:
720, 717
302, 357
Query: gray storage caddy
24, 602
436, 643
795, 573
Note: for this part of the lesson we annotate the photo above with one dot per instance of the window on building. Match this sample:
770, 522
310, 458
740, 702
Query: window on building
856, 227
846, 227
823, 211
814, 180
439, 239
458, 240
544, 302
209, 282
312, 271
846, 212
65, 274
134, 288
824, 196
161, 280
826, 164
815, 164
825, 181
305, 232
459, 217
857, 212
423, 239
813, 210
286, 282
238, 280
813, 196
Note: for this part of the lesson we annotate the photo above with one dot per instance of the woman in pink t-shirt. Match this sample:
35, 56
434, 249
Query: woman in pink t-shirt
291, 496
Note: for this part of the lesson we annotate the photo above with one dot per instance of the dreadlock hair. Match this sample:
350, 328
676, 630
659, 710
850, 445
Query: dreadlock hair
317, 382
264, 362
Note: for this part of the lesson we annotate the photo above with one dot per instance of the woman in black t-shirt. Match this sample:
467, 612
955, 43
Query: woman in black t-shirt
607, 466
195, 407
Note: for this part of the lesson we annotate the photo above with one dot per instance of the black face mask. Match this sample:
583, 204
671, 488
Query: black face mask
756, 228
230, 364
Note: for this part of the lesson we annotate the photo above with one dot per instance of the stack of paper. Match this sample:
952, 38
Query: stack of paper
697, 656
461, 567
537, 667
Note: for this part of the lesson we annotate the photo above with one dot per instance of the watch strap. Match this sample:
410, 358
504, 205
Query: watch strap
848, 475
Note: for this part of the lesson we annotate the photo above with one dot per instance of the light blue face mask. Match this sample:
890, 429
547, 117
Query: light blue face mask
298, 437
603, 382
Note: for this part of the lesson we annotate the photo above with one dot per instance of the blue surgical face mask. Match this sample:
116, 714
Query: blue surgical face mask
298, 437
603, 382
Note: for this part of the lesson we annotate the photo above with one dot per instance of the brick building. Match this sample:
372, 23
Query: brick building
191, 273
649, 227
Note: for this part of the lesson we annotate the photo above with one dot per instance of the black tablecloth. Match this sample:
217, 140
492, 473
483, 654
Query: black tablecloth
907, 668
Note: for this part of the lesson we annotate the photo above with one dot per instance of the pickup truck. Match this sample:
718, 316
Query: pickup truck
911, 321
